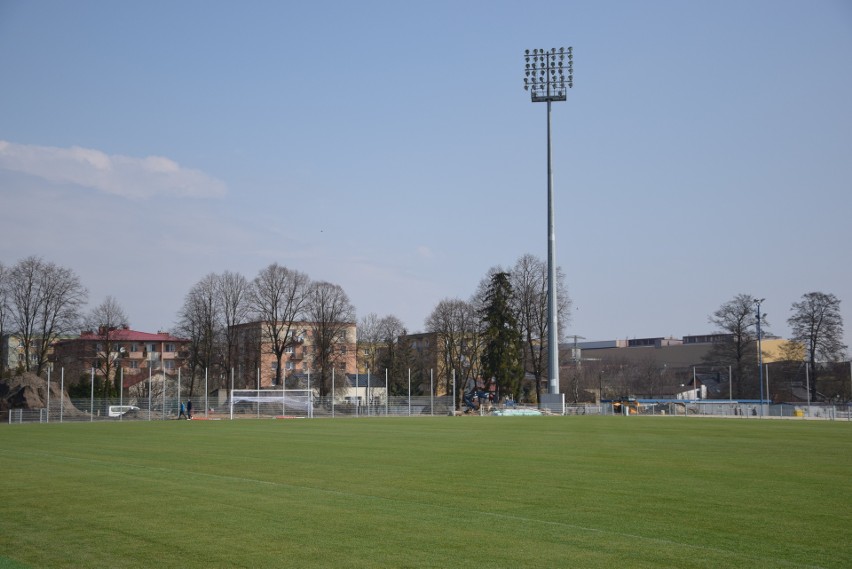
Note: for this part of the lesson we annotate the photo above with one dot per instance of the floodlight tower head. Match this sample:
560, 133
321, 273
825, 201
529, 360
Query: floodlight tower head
549, 74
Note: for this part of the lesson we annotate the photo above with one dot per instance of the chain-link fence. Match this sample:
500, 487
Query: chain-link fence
717, 408
210, 408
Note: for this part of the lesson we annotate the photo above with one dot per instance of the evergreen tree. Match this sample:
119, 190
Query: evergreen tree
501, 356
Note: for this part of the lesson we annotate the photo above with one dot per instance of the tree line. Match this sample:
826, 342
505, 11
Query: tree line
497, 333
816, 340
281, 299
500, 332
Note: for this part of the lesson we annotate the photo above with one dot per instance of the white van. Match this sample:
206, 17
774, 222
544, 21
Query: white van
119, 410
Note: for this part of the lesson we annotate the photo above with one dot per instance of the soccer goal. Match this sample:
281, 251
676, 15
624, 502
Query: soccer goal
272, 402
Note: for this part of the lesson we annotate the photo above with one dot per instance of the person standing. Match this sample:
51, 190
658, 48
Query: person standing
189, 408
468, 394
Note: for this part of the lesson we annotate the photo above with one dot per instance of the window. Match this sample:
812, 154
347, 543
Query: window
134, 347
152, 347
274, 366
289, 366
169, 364
170, 348
133, 364
288, 350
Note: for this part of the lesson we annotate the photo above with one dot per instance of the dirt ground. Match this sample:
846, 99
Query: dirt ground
29, 391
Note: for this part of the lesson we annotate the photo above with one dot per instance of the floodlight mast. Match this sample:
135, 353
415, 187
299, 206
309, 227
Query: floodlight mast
549, 75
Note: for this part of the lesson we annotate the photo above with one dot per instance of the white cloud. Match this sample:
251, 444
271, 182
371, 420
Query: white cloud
135, 178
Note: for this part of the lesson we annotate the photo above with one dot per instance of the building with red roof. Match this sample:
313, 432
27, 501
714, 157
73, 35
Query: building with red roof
111, 351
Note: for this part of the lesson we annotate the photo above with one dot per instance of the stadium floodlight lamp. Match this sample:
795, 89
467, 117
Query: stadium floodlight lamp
549, 74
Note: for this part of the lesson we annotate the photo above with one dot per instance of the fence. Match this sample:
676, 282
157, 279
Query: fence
266, 403
719, 408
210, 408
206, 408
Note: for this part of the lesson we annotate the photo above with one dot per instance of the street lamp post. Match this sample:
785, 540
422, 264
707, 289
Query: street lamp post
549, 75
759, 353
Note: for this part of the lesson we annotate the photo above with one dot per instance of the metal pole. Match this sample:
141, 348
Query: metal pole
808, 385
552, 330
386, 392
695, 383
121, 391
332, 392
178, 393
48, 394
409, 392
759, 355
431, 393
61, 393
206, 394
768, 397
231, 398
454, 392
149, 390
730, 385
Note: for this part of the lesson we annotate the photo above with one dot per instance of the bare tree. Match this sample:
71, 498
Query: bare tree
368, 343
456, 325
396, 355
817, 323
233, 294
331, 315
529, 282
105, 320
211, 310
200, 320
277, 299
737, 320
46, 300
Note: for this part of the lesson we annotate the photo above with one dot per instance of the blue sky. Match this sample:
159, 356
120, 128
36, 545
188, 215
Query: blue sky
389, 147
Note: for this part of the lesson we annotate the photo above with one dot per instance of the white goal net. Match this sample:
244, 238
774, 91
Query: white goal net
272, 402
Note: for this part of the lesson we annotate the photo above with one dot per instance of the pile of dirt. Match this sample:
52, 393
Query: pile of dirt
29, 391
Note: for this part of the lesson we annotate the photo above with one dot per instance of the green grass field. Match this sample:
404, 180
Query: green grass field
428, 492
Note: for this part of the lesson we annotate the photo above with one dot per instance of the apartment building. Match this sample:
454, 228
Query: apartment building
255, 359
120, 349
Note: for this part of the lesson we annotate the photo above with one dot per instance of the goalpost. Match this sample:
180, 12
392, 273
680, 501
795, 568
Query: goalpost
272, 402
